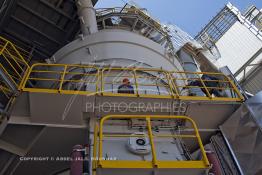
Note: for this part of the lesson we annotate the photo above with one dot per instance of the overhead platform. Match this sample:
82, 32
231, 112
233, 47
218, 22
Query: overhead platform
54, 108
73, 111
39, 26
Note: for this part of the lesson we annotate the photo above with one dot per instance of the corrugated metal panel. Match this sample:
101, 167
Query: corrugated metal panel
237, 46
253, 83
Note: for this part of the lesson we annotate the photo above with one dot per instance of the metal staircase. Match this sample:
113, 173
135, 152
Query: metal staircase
13, 67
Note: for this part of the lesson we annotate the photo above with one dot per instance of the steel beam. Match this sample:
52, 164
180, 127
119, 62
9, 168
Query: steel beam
18, 38
248, 62
56, 9
40, 16
12, 148
34, 29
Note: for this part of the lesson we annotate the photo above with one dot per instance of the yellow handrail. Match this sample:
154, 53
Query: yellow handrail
94, 162
150, 134
15, 68
155, 163
165, 84
11, 58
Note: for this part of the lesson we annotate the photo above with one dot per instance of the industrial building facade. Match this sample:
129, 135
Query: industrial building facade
236, 39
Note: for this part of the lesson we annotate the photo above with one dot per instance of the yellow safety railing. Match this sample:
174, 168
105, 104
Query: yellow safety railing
194, 81
14, 67
12, 61
128, 9
6, 97
62, 78
135, 19
146, 82
5, 90
99, 136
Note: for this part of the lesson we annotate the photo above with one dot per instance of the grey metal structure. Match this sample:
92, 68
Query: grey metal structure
216, 28
238, 39
254, 15
244, 133
39, 26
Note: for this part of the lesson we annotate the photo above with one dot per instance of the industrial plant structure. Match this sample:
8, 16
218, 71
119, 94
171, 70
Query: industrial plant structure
114, 92
236, 38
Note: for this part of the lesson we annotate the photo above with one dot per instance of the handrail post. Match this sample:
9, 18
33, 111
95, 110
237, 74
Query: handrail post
172, 84
203, 84
62, 79
12, 56
102, 81
100, 148
10, 77
97, 81
136, 84
201, 147
4, 89
21, 57
20, 87
27, 76
235, 88
94, 164
150, 135
11, 65
4, 47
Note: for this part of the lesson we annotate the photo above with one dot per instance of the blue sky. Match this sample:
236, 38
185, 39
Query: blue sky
189, 15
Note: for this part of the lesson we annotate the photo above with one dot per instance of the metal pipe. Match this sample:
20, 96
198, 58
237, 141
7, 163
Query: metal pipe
212, 157
76, 166
87, 16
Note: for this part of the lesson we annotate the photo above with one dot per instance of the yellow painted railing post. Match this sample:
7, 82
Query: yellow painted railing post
18, 53
100, 147
23, 79
2, 50
136, 84
102, 82
150, 135
11, 65
4, 90
202, 149
206, 89
235, 88
10, 77
27, 75
62, 79
172, 84
94, 161
97, 80
14, 59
